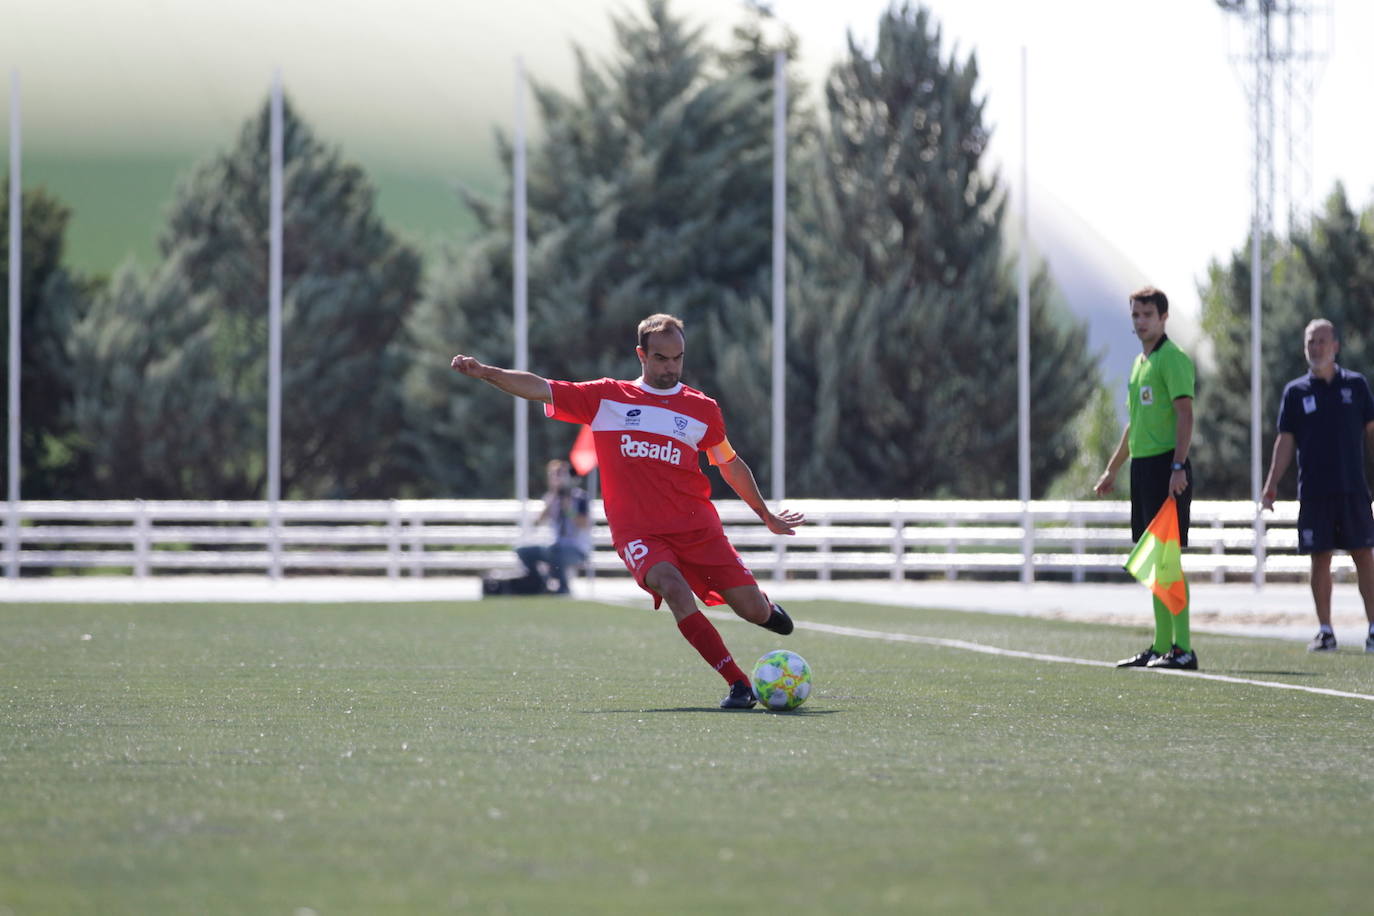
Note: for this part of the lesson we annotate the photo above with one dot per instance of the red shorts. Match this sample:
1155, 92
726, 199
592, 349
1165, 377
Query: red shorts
705, 558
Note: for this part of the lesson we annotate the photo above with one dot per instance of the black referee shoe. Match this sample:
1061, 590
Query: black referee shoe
1141, 660
741, 696
1176, 659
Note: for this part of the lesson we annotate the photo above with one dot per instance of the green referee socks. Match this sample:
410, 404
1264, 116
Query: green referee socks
1182, 638
1172, 629
1164, 627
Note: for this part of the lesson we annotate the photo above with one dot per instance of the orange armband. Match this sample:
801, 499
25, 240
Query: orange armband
721, 453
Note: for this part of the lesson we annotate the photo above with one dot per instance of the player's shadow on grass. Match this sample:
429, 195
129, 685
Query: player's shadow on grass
1256, 672
785, 713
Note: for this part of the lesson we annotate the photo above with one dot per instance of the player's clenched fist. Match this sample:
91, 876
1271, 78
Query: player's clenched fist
468, 366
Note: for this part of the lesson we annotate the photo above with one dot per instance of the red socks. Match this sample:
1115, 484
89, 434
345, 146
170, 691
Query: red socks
703, 636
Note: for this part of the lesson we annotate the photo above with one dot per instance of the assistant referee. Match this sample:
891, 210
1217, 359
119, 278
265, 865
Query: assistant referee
1159, 430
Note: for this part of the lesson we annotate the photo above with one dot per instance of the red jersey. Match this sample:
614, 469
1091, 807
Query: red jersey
646, 445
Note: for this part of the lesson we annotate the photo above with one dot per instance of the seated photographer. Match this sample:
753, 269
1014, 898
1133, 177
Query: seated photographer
568, 514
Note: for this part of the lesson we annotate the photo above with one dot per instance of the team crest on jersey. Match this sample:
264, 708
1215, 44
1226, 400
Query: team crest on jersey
1347, 396
679, 426
1147, 395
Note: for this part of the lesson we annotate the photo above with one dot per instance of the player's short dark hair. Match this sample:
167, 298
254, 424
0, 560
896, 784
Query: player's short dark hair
1149, 295
656, 323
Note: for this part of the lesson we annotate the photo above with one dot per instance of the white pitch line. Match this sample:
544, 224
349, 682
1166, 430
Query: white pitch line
951, 644
1041, 657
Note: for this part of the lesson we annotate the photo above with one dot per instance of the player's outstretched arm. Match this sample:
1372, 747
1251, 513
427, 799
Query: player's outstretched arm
741, 480
515, 382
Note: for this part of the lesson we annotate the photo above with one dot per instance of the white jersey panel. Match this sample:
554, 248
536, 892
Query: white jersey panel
617, 416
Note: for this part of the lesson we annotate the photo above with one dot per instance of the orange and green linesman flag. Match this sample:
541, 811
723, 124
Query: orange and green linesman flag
583, 454
1157, 560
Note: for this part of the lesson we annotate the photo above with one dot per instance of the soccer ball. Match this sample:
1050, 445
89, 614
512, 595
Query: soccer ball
782, 680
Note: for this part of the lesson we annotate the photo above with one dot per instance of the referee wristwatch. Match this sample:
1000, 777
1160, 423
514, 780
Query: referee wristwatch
1176, 466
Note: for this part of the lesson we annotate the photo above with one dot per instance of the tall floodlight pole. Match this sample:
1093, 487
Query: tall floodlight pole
1280, 41
16, 194
779, 272
1023, 349
1262, 116
274, 284
779, 290
521, 294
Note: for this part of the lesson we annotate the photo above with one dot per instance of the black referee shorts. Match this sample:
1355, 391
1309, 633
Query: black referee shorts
1150, 487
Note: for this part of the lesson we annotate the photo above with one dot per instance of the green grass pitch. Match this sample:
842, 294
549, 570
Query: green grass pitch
554, 757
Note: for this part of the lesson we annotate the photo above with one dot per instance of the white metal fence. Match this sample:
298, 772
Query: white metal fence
844, 538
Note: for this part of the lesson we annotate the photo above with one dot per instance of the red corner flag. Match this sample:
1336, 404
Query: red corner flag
583, 454
1157, 559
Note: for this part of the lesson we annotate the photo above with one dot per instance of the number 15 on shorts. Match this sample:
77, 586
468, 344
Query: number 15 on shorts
634, 553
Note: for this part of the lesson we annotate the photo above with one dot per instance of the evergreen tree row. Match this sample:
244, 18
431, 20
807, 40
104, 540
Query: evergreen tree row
650, 191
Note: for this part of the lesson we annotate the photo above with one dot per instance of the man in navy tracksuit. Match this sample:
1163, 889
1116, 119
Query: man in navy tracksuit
1327, 416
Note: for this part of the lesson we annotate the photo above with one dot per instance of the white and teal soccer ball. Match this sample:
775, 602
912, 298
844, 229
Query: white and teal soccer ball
782, 680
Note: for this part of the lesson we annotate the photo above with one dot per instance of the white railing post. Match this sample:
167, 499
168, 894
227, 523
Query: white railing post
142, 534
1076, 521
826, 549
898, 544
274, 539
12, 545
417, 546
1218, 548
393, 542
1027, 543
951, 547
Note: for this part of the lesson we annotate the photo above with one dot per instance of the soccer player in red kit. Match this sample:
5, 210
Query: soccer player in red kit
647, 434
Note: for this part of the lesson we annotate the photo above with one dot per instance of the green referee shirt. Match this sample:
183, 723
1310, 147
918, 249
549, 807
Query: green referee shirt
1156, 380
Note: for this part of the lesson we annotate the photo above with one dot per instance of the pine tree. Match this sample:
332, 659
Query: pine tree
1097, 430
651, 193
175, 404
909, 315
150, 406
1326, 271
53, 299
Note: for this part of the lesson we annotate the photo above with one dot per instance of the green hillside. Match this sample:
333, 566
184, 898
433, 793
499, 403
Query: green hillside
118, 202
